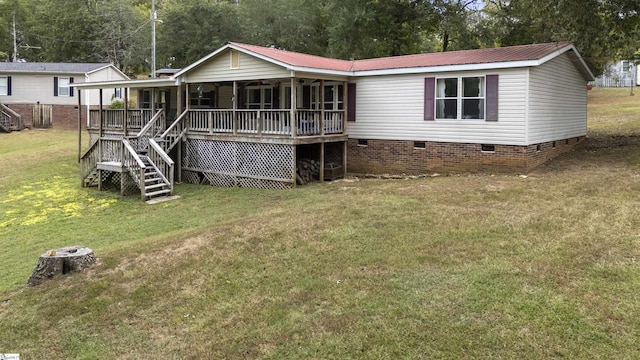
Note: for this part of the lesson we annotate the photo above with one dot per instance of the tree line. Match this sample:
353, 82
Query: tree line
119, 31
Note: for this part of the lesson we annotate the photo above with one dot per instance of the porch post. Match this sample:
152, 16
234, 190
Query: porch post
294, 113
345, 111
179, 150
126, 110
101, 117
79, 126
153, 103
234, 100
322, 115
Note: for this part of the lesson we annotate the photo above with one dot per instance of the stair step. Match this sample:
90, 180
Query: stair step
155, 186
150, 173
156, 193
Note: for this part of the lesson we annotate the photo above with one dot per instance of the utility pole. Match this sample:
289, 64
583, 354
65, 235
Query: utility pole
153, 38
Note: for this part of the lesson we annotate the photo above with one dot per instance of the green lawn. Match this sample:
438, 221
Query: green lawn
462, 266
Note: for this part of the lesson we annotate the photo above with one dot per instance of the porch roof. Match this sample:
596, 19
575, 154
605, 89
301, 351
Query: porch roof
133, 84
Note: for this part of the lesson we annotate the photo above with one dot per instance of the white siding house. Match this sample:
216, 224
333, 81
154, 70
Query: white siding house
504, 109
24, 85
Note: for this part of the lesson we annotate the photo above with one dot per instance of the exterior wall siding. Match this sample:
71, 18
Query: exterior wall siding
558, 101
251, 68
107, 74
391, 108
401, 157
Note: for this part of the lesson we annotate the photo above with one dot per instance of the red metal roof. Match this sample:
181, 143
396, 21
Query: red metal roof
298, 59
462, 57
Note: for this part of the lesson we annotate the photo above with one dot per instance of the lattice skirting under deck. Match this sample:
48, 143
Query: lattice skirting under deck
111, 180
227, 163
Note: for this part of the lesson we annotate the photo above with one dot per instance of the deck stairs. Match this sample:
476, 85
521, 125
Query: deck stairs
143, 157
9, 120
155, 184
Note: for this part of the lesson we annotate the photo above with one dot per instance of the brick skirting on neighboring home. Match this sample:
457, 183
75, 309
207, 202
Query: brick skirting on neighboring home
62, 117
366, 156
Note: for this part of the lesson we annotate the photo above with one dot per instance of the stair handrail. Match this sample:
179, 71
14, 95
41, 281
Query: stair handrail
177, 129
12, 115
10, 111
151, 123
162, 162
134, 164
89, 161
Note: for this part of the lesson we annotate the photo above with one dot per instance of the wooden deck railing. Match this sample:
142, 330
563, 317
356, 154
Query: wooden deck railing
162, 162
221, 121
266, 122
113, 119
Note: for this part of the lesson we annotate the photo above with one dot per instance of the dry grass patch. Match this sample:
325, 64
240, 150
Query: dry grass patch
467, 266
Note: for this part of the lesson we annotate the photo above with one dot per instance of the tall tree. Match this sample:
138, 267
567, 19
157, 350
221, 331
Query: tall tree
193, 28
122, 34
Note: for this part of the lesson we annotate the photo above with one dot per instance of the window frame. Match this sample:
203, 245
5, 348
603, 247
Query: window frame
460, 98
65, 87
6, 86
264, 104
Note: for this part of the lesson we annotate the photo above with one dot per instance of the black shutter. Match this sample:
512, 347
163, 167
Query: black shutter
55, 86
8, 85
351, 102
429, 98
70, 88
492, 97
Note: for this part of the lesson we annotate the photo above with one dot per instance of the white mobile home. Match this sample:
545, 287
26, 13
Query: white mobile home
245, 115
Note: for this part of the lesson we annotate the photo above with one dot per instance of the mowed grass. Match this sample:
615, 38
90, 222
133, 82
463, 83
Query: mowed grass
462, 266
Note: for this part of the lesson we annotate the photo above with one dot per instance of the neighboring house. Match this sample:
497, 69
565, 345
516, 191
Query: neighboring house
41, 92
245, 115
624, 73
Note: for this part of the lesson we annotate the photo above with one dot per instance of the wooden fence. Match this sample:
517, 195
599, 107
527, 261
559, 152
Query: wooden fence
42, 116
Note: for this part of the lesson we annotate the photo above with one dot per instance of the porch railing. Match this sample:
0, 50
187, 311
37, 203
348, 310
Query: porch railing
113, 119
221, 121
266, 122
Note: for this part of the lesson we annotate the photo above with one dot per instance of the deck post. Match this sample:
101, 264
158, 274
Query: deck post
322, 161
295, 166
234, 100
101, 117
179, 150
294, 120
126, 110
79, 126
322, 114
345, 98
344, 157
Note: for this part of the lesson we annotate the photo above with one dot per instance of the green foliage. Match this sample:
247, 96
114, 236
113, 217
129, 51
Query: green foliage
116, 104
118, 31
192, 29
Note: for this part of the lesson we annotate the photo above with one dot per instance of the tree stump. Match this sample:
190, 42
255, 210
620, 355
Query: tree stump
62, 261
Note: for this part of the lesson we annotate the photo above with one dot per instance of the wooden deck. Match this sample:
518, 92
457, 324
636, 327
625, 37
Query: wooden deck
242, 125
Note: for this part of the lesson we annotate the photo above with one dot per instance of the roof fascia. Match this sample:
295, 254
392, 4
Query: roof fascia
126, 83
570, 47
109, 66
449, 68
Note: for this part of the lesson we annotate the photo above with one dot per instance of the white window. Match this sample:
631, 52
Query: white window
258, 97
333, 96
460, 98
4, 85
63, 86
